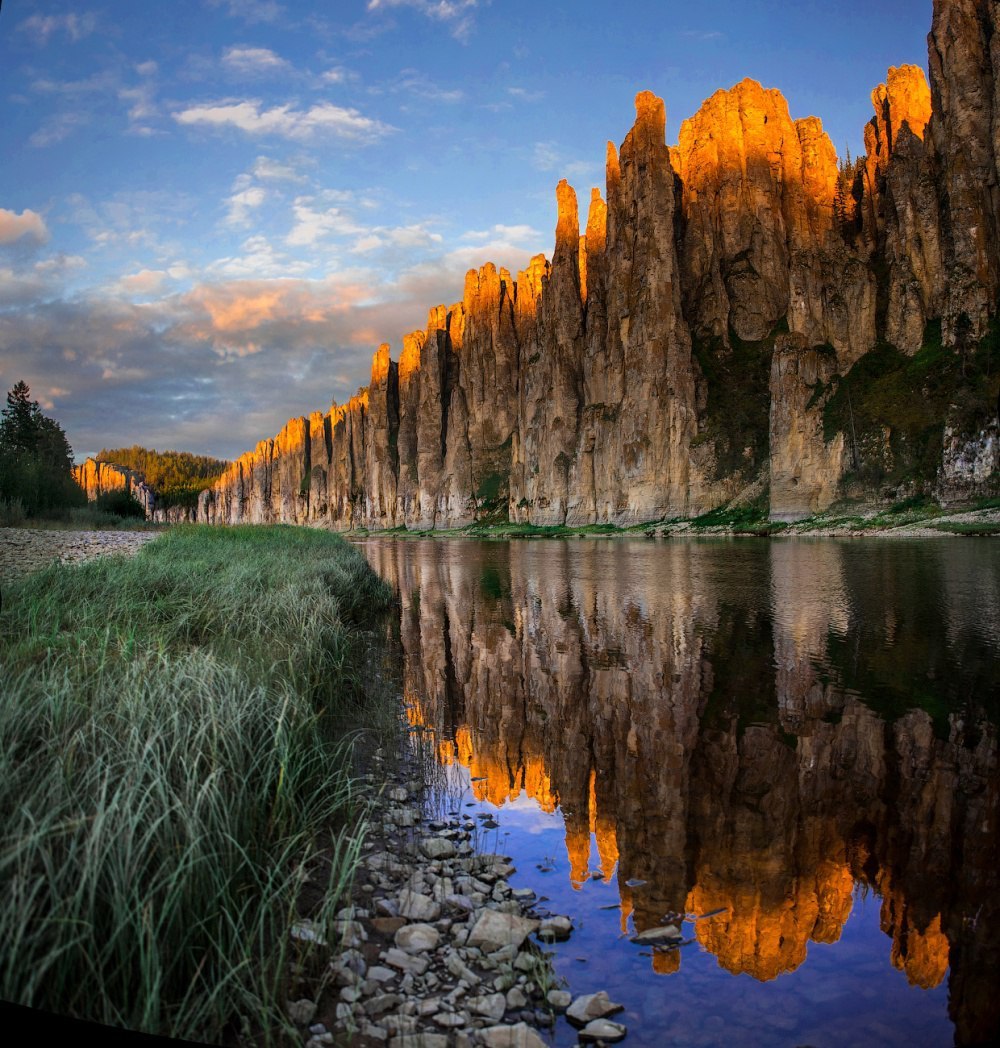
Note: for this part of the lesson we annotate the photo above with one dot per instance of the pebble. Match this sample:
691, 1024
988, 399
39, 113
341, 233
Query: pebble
24, 550
302, 1013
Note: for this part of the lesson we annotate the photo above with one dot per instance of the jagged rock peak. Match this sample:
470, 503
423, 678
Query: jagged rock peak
568, 221
650, 115
597, 223
409, 359
381, 364
905, 98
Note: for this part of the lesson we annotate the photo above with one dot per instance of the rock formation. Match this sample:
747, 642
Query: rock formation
100, 478
614, 385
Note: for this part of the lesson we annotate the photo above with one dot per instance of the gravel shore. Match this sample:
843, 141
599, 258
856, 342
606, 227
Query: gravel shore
437, 950
23, 550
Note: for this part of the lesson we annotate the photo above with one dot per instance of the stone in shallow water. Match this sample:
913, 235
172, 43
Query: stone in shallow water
555, 929
493, 930
559, 999
591, 1006
603, 1030
417, 938
662, 933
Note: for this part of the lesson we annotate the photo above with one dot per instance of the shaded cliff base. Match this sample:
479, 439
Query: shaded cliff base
913, 517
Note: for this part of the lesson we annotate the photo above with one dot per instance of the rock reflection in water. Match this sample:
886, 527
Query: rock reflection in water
747, 727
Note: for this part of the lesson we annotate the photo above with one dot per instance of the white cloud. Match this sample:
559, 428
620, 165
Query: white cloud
335, 76
252, 11
242, 202
253, 61
147, 68
145, 282
458, 14
268, 170
58, 127
546, 156
285, 120
312, 224
398, 237
27, 224
502, 232
415, 83
76, 27
139, 100
522, 94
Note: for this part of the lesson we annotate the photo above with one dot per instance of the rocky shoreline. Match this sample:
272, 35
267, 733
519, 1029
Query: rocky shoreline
437, 950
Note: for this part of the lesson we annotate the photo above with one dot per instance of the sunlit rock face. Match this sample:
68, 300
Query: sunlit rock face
759, 240
900, 212
729, 754
578, 391
100, 478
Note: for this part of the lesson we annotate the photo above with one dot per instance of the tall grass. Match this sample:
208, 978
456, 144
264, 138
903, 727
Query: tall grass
172, 766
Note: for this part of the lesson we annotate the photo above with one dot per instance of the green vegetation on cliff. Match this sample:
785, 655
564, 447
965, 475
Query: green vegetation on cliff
177, 477
892, 408
737, 400
173, 766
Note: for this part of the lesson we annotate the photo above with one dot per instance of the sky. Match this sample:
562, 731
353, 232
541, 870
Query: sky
213, 211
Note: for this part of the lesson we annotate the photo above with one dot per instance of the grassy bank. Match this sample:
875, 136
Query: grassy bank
172, 764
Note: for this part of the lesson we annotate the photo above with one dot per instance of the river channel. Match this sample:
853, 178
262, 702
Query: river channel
794, 742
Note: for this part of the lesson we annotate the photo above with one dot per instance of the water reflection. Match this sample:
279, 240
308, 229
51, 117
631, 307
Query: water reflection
746, 727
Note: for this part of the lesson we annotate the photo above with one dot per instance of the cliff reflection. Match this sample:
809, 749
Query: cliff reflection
746, 727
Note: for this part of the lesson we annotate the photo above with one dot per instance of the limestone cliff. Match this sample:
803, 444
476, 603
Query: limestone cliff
738, 311
99, 478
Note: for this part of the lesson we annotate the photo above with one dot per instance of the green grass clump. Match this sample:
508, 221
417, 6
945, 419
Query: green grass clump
748, 517
172, 761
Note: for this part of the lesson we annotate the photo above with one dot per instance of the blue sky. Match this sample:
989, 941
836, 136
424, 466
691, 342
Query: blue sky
212, 211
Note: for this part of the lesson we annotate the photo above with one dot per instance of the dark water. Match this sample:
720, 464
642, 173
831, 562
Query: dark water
799, 734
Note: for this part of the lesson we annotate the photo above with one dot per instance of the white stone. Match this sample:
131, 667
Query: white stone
492, 1006
603, 1030
493, 930
591, 1006
417, 907
437, 848
417, 938
519, 1036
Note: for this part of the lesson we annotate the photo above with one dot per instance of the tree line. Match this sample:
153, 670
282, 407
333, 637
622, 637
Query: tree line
177, 477
36, 460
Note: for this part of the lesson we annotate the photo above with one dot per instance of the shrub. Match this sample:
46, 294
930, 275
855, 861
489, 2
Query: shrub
122, 503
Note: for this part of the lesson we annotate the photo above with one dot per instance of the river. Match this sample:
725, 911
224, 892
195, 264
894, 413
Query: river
794, 741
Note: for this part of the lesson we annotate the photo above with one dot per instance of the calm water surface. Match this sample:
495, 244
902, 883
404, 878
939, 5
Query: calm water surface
798, 737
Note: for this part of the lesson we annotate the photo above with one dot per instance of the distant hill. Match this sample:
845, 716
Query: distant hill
177, 477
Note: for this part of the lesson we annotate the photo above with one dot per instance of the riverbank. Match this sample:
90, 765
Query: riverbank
177, 770
911, 517
437, 949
